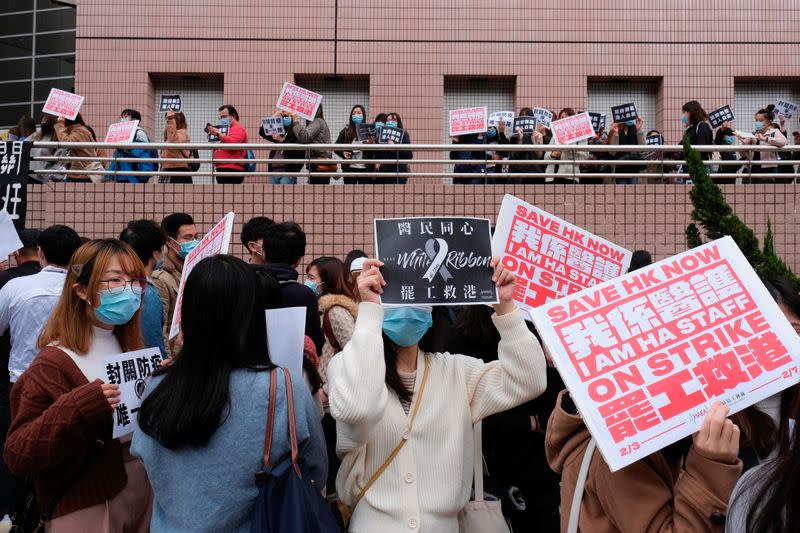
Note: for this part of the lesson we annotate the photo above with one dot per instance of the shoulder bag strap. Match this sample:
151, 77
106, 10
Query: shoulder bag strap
477, 436
402, 442
327, 329
270, 416
577, 497
292, 423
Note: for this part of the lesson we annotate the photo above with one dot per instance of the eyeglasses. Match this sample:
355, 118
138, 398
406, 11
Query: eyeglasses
117, 285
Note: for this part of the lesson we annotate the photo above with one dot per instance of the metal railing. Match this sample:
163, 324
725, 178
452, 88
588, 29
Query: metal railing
654, 162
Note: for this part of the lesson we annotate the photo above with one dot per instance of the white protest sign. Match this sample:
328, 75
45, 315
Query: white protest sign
273, 125
507, 117
551, 257
63, 104
9, 238
122, 132
301, 101
286, 338
130, 371
214, 242
785, 108
543, 116
468, 120
644, 355
573, 129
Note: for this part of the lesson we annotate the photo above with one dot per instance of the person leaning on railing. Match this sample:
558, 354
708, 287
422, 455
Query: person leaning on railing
176, 132
315, 132
77, 131
47, 133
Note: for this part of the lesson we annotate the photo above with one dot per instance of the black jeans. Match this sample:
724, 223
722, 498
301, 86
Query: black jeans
235, 180
178, 178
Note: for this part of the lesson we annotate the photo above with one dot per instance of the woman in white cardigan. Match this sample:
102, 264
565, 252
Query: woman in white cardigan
429, 479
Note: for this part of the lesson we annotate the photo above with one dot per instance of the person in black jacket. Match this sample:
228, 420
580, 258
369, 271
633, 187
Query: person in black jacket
348, 135
394, 120
466, 155
695, 120
288, 138
520, 137
726, 137
284, 247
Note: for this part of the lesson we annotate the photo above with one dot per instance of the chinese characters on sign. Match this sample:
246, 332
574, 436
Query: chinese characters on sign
506, 117
543, 116
785, 108
467, 121
63, 104
14, 168
170, 101
302, 101
130, 371
624, 112
526, 124
273, 125
598, 121
551, 257
389, 133
718, 116
122, 132
645, 354
435, 260
573, 129
365, 131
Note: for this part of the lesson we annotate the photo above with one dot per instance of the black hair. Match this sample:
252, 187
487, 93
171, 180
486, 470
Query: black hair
284, 242
30, 239
231, 110
640, 259
145, 237
525, 112
58, 243
392, 377
351, 126
253, 230
768, 112
352, 256
380, 117
222, 331
172, 223
398, 117
132, 113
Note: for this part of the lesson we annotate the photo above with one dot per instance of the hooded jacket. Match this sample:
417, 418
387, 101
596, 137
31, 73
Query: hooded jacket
342, 312
651, 495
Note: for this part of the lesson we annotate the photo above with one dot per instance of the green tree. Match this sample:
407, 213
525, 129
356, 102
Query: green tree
716, 218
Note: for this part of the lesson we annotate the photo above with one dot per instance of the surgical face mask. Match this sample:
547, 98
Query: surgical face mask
224, 121
730, 139
492, 133
311, 285
758, 126
391, 123
186, 247
124, 119
405, 326
684, 120
118, 309
287, 121
357, 119
378, 125
630, 122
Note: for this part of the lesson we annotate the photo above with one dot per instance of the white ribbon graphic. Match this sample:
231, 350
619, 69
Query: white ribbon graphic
437, 260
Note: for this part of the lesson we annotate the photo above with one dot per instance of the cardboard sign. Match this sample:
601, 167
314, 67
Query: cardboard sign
543, 116
572, 129
365, 131
467, 121
130, 371
656, 138
214, 242
527, 124
389, 133
122, 132
15, 158
718, 116
785, 108
506, 117
9, 238
551, 257
598, 121
286, 337
212, 138
273, 125
302, 101
624, 112
170, 101
435, 260
645, 354
63, 104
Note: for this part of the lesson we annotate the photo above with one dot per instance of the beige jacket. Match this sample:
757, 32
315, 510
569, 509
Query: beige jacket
178, 136
342, 312
167, 280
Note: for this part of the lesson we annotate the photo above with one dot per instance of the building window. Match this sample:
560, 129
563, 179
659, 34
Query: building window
605, 94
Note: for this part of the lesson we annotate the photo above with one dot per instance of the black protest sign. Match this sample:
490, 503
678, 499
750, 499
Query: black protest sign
365, 131
656, 138
598, 121
435, 260
527, 124
718, 116
212, 138
170, 101
624, 112
15, 157
389, 133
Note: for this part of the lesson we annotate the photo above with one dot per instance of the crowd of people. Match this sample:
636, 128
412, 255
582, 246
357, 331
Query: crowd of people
382, 416
354, 166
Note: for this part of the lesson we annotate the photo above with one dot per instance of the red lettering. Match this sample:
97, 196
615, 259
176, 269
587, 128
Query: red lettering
601, 390
678, 401
660, 364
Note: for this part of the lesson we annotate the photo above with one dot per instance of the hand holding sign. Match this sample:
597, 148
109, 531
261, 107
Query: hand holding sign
371, 282
112, 393
718, 438
505, 281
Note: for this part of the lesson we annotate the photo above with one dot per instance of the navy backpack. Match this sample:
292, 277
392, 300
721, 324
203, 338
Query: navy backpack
288, 501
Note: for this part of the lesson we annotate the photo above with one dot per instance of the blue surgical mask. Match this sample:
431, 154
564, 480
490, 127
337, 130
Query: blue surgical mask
492, 133
378, 125
224, 122
357, 119
287, 121
405, 326
684, 120
124, 119
187, 247
118, 309
758, 126
630, 122
391, 123
159, 263
730, 139
311, 285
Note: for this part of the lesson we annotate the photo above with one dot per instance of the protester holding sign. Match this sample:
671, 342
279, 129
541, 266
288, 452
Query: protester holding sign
567, 172
62, 410
122, 166
236, 134
526, 137
766, 133
76, 131
393, 120
277, 155
697, 128
47, 133
473, 155
725, 136
315, 132
348, 136
202, 422
384, 380
176, 132
630, 132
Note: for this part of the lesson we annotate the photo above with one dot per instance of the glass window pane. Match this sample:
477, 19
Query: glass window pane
10, 114
16, 92
16, 69
42, 88
61, 19
14, 24
9, 6
49, 67
55, 43
15, 46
